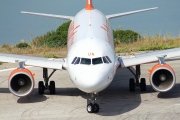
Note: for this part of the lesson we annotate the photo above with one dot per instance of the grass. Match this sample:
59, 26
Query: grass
145, 44
50, 55
149, 44
41, 52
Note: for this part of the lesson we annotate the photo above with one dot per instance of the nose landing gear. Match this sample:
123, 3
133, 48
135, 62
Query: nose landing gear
92, 107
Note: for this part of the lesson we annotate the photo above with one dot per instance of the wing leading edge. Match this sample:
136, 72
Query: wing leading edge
33, 61
148, 57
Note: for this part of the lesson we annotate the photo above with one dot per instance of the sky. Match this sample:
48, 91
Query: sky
15, 26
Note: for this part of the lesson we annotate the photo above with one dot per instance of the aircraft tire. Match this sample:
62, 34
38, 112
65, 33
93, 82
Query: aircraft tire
41, 88
132, 85
90, 108
143, 84
52, 87
96, 110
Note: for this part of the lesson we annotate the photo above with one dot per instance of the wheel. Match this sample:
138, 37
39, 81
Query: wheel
143, 84
96, 110
90, 108
41, 87
52, 87
131, 85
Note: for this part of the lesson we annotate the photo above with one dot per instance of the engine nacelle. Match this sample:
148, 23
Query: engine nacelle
21, 82
162, 77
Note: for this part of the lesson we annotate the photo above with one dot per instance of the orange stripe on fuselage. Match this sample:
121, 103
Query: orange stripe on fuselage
72, 32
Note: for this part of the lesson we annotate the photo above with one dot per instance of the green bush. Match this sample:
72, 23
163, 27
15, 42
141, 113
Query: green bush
58, 38
125, 36
53, 39
22, 45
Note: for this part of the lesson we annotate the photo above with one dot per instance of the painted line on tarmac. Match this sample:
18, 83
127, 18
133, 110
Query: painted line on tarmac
4, 70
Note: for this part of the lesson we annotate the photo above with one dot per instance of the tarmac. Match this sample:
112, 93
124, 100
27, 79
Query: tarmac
69, 103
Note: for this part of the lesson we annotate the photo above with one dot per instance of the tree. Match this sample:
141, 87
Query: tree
126, 36
53, 39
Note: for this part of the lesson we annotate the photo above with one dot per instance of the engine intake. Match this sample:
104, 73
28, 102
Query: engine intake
21, 82
162, 77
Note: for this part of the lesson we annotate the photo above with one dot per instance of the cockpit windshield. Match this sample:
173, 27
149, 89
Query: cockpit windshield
77, 61
74, 60
93, 61
109, 59
85, 61
96, 61
105, 60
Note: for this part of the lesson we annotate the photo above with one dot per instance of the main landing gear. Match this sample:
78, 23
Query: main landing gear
133, 84
92, 107
45, 85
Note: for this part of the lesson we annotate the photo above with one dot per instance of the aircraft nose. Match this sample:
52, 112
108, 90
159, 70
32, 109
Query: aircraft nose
93, 81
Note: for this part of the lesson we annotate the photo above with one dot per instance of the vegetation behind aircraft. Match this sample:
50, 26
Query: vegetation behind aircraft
48, 44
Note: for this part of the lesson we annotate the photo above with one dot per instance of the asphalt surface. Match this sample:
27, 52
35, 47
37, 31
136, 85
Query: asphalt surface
116, 102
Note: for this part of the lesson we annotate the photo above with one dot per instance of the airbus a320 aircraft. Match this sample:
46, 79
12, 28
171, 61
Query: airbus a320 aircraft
91, 61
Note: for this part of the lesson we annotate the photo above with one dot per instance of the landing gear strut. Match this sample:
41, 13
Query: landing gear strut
133, 84
92, 107
45, 85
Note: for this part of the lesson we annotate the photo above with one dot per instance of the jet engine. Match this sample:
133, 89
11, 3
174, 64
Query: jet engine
21, 82
162, 77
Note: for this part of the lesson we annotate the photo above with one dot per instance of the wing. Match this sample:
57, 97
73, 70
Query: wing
148, 57
128, 13
49, 15
33, 61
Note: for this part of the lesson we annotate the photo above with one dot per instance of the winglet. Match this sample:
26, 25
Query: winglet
89, 5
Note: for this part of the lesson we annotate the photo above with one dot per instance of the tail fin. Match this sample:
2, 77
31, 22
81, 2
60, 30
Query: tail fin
89, 5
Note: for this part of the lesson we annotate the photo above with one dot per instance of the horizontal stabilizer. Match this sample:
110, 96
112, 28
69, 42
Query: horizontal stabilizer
128, 13
50, 15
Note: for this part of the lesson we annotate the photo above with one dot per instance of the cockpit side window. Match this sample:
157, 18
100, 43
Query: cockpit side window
105, 60
109, 59
74, 60
85, 61
77, 61
96, 61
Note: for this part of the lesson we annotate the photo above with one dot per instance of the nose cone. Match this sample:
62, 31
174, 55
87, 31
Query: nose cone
94, 80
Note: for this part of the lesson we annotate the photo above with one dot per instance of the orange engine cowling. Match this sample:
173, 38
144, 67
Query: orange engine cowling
162, 77
21, 82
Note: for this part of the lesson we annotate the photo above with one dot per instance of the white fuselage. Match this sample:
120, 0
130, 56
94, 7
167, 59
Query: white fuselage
90, 45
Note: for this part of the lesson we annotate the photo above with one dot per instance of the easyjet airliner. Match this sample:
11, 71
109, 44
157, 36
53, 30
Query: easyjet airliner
91, 61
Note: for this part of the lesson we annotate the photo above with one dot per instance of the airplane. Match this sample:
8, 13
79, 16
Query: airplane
91, 61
